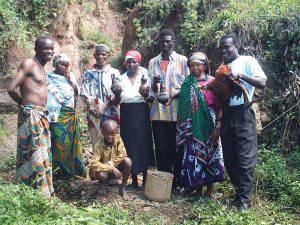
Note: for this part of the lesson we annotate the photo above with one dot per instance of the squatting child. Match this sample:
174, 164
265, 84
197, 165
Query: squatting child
110, 158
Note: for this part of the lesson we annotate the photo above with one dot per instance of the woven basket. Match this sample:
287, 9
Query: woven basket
158, 185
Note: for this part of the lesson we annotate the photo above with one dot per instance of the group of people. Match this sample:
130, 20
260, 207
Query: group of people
195, 133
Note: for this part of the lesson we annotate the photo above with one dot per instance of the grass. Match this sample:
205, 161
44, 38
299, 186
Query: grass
4, 131
20, 204
276, 200
8, 163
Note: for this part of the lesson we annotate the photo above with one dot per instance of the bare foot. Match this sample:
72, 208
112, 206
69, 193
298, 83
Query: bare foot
124, 195
101, 190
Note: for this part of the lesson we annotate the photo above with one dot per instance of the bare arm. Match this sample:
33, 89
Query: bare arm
116, 99
257, 82
13, 88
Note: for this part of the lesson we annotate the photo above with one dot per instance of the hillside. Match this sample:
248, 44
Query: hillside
268, 30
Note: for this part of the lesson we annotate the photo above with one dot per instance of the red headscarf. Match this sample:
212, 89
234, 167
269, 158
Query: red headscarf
133, 54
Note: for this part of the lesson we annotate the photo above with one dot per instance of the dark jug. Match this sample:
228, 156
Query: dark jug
115, 86
144, 87
163, 96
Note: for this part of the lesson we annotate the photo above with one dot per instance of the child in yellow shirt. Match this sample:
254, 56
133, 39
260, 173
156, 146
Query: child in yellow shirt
110, 158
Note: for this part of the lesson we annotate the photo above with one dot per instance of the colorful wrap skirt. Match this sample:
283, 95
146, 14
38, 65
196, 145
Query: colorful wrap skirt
34, 159
66, 148
202, 163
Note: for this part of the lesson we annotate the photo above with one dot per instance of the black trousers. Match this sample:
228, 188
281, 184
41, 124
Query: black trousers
167, 158
240, 149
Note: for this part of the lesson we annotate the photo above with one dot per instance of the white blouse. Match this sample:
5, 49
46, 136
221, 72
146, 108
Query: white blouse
130, 93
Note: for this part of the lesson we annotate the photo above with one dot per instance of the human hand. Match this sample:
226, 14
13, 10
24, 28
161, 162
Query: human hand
235, 76
93, 113
117, 173
117, 90
169, 101
143, 92
215, 136
156, 79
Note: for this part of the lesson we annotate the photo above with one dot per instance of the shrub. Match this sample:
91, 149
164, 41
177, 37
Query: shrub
276, 180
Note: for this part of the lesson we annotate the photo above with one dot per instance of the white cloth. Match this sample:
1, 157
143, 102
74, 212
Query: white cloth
130, 93
96, 87
249, 66
60, 93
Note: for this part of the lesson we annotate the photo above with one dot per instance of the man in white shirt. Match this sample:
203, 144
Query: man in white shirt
96, 89
238, 136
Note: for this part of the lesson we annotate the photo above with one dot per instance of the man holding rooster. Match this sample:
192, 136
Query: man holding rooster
238, 136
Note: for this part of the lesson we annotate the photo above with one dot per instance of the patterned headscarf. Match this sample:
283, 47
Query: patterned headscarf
59, 58
201, 58
133, 54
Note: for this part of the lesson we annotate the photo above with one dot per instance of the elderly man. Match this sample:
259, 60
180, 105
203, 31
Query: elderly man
96, 89
238, 136
29, 90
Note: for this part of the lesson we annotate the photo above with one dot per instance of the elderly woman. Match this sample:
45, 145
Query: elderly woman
61, 103
199, 122
135, 115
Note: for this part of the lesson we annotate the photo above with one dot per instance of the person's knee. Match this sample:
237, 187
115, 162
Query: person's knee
101, 176
127, 162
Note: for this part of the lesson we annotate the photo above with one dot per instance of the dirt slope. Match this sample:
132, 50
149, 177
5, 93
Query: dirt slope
96, 15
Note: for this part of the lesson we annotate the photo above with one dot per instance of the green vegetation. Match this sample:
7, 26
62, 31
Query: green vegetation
20, 21
267, 29
20, 204
9, 163
218, 213
276, 179
276, 201
4, 132
89, 38
83, 129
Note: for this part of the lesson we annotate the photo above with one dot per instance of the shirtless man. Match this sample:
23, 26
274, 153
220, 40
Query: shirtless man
29, 90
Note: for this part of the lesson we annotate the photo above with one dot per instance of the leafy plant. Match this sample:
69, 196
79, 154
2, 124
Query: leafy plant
275, 179
8, 163
20, 21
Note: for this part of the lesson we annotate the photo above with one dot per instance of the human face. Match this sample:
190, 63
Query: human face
132, 65
101, 57
46, 50
229, 50
109, 134
62, 68
197, 68
166, 44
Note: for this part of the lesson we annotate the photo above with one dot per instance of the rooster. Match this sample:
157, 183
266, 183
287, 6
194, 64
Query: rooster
224, 87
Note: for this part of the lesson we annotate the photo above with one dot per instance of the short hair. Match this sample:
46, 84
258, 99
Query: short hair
108, 124
102, 47
167, 32
233, 37
39, 41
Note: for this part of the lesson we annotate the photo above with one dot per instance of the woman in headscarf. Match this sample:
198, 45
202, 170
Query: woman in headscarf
62, 95
135, 115
199, 122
